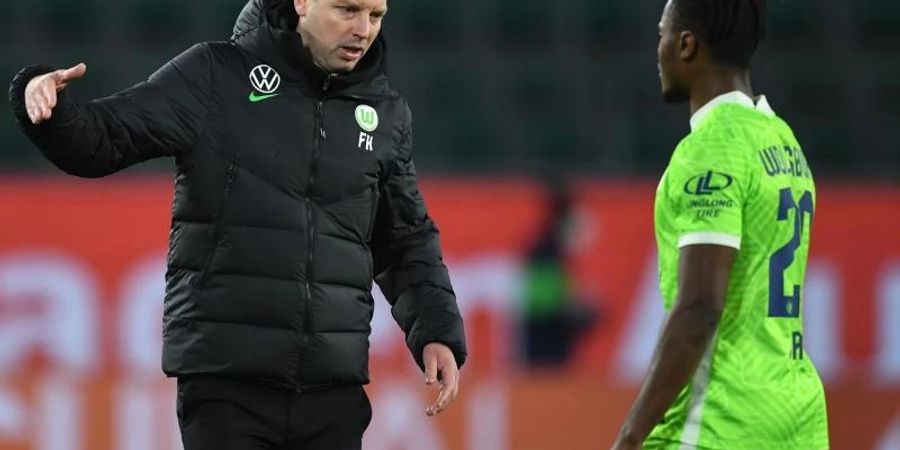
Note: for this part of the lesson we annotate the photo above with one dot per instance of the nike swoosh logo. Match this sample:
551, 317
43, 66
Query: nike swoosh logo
254, 97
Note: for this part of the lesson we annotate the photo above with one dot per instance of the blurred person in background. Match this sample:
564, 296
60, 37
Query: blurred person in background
733, 214
555, 317
295, 188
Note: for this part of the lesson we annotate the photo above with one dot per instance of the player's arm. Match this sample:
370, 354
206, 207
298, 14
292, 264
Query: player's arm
703, 274
410, 271
160, 117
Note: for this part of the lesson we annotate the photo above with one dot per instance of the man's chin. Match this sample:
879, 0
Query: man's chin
344, 66
674, 96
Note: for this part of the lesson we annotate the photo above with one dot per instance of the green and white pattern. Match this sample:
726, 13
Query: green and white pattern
740, 179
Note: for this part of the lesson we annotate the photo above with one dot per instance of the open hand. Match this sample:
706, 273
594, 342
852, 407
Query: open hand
40, 93
439, 359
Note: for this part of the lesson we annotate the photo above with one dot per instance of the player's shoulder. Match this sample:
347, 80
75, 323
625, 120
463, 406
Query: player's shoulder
708, 145
730, 132
731, 123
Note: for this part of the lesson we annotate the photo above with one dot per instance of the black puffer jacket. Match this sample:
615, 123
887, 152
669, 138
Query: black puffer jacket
287, 204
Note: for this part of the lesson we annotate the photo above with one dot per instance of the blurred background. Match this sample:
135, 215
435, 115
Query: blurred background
540, 136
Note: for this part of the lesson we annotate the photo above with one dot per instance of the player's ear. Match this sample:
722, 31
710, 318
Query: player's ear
687, 46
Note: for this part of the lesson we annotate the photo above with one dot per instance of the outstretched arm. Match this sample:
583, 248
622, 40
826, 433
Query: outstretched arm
160, 117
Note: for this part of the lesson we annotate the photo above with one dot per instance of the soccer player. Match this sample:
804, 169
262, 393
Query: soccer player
295, 188
733, 216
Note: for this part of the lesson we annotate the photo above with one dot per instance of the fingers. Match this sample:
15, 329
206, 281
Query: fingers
438, 358
31, 101
31, 109
442, 401
37, 105
435, 408
64, 77
431, 368
50, 95
453, 382
448, 393
41, 92
42, 99
34, 116
449, 389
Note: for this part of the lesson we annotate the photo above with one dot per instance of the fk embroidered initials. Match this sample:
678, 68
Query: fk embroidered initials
366, 142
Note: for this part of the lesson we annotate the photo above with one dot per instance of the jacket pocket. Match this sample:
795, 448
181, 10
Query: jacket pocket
216, 228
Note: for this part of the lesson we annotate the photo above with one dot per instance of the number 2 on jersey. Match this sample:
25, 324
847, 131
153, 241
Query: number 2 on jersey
780, 304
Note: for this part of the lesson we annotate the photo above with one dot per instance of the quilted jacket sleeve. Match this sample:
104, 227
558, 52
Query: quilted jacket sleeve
162, 116
409, 265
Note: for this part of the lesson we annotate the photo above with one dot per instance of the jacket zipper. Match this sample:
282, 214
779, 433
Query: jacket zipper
217, 224
304, 335
327, 83
320, 136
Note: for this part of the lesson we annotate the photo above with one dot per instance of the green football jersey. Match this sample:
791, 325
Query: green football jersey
740, 180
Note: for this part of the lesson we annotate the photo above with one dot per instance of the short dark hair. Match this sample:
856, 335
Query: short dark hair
732, 29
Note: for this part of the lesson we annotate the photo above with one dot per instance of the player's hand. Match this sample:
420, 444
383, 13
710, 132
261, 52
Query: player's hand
40, 93
439, 359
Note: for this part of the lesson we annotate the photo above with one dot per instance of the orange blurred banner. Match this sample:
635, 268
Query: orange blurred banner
81, 288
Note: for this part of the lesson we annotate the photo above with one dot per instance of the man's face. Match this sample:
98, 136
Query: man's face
339, 32
669, 55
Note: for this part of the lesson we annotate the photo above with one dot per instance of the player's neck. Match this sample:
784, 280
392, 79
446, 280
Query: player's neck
717, 83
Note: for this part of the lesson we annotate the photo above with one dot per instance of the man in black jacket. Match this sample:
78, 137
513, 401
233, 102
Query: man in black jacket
295, 188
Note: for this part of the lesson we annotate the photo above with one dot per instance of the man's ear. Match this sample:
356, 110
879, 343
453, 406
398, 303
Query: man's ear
301, 6
688, 47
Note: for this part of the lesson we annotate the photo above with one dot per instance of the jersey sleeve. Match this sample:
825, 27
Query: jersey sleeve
708, 182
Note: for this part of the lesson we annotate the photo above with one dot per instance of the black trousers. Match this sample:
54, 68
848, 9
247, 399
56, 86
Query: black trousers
219, 414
